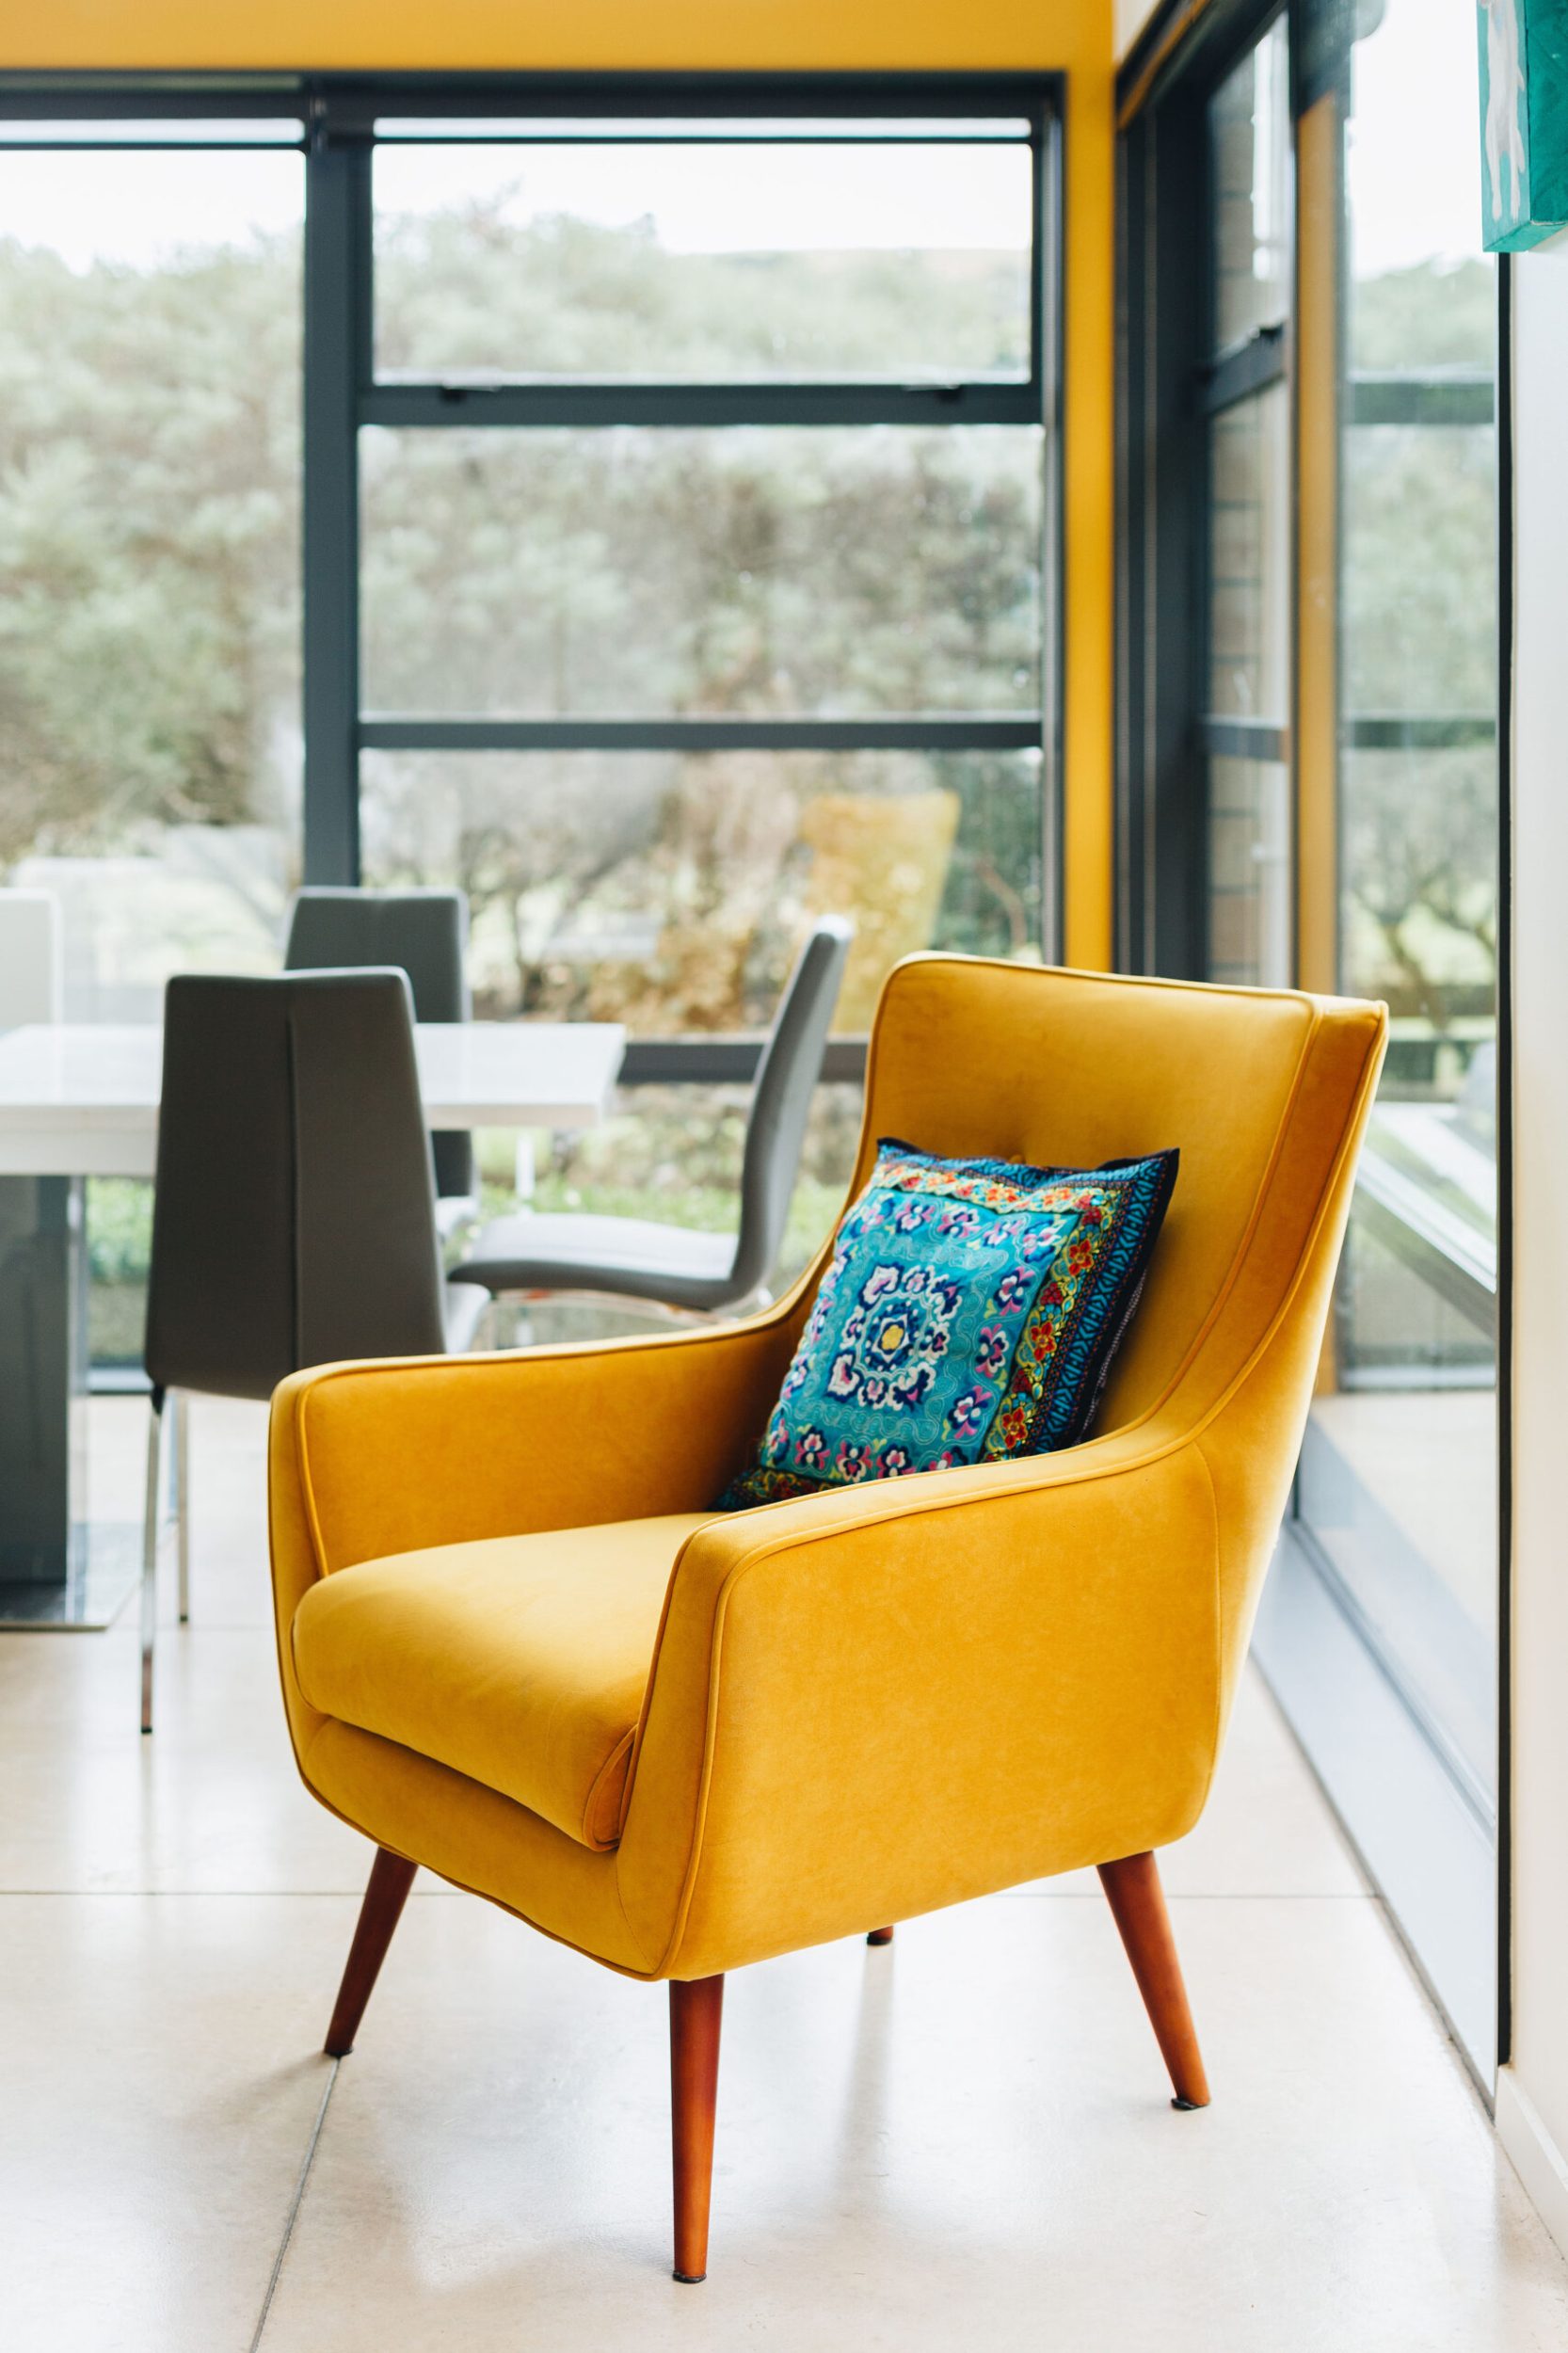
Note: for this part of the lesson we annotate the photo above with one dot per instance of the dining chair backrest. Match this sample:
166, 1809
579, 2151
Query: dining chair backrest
293, 1221
32, 982
425, 934
786, 1078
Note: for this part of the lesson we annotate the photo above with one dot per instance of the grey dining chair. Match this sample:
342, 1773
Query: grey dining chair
293, 1218
426, 933
636, 1257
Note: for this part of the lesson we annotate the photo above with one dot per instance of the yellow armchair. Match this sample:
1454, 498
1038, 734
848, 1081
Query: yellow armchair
518, 1647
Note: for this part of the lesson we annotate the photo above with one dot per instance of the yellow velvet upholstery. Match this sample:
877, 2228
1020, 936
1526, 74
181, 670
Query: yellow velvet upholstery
865, 1703
520, 1686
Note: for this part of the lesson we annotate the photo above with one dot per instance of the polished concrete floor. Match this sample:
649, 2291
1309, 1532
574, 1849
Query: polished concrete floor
962, 2140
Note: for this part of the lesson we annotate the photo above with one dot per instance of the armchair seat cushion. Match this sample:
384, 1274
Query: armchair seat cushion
519, 1661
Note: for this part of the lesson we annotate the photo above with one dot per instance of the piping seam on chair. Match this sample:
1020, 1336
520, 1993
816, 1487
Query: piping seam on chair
1219, 1618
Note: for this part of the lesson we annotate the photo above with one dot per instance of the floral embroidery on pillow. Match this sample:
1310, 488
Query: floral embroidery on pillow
970, 1312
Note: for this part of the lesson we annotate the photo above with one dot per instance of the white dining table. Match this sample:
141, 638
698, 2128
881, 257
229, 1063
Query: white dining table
79, 1101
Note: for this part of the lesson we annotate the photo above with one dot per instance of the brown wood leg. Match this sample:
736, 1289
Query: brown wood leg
880, 1936
696, 2012
391, 1879
1138, 1906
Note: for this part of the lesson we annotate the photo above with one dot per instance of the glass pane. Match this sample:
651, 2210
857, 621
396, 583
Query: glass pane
1399, 1476
1249, 866
703, 262
742, 570
1420, 506
150, 558
671, 892
1249, 134
1248, 557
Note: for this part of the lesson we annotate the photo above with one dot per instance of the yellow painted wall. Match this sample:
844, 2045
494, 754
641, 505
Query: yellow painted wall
1072, 36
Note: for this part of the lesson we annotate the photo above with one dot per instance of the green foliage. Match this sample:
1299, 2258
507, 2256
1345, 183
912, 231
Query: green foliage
1431, 315
1419, 827
149, 542
465, 291
119, 1229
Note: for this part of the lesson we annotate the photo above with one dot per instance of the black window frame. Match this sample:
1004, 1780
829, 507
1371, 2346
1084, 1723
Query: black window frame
1169, 383
337, 114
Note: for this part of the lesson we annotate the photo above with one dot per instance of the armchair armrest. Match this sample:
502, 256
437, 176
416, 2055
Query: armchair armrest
388, 1456
871, 1704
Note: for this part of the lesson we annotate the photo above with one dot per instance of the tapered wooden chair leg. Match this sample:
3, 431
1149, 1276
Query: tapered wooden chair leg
880, 1936
1138, 1907
696, 2012
391, 1879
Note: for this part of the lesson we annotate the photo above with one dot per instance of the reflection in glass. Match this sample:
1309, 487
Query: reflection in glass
1249, 134
703, 262
671, 892
627, 570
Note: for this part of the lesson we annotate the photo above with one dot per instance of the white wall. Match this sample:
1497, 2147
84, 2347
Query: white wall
1532, 2099
1131, 17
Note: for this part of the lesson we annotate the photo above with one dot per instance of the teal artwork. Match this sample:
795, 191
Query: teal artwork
1524, 122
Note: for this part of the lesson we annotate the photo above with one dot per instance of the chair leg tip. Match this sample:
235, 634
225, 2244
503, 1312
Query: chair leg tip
689, 2278
880, 1936
1188, 2105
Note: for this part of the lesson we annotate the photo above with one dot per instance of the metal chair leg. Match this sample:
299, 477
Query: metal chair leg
150, 1556
181, 1495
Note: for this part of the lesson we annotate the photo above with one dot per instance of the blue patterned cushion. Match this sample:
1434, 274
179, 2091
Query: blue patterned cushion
970, 1312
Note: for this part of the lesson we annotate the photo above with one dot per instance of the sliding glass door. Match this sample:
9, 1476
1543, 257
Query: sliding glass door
1309, 793
1397, 1491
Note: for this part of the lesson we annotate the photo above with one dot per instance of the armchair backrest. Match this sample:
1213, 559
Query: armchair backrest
1264, 1093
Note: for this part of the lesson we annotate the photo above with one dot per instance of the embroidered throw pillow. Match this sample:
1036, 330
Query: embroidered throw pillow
970, 1312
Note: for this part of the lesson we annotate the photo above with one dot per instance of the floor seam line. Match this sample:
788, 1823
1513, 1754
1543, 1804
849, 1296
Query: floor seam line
294, 2204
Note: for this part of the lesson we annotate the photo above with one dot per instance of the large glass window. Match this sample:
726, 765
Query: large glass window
150, 454
676, 557
150, 573
1308, 792
700, 470
669, 890
694, 251
634, 569
1399, 1479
